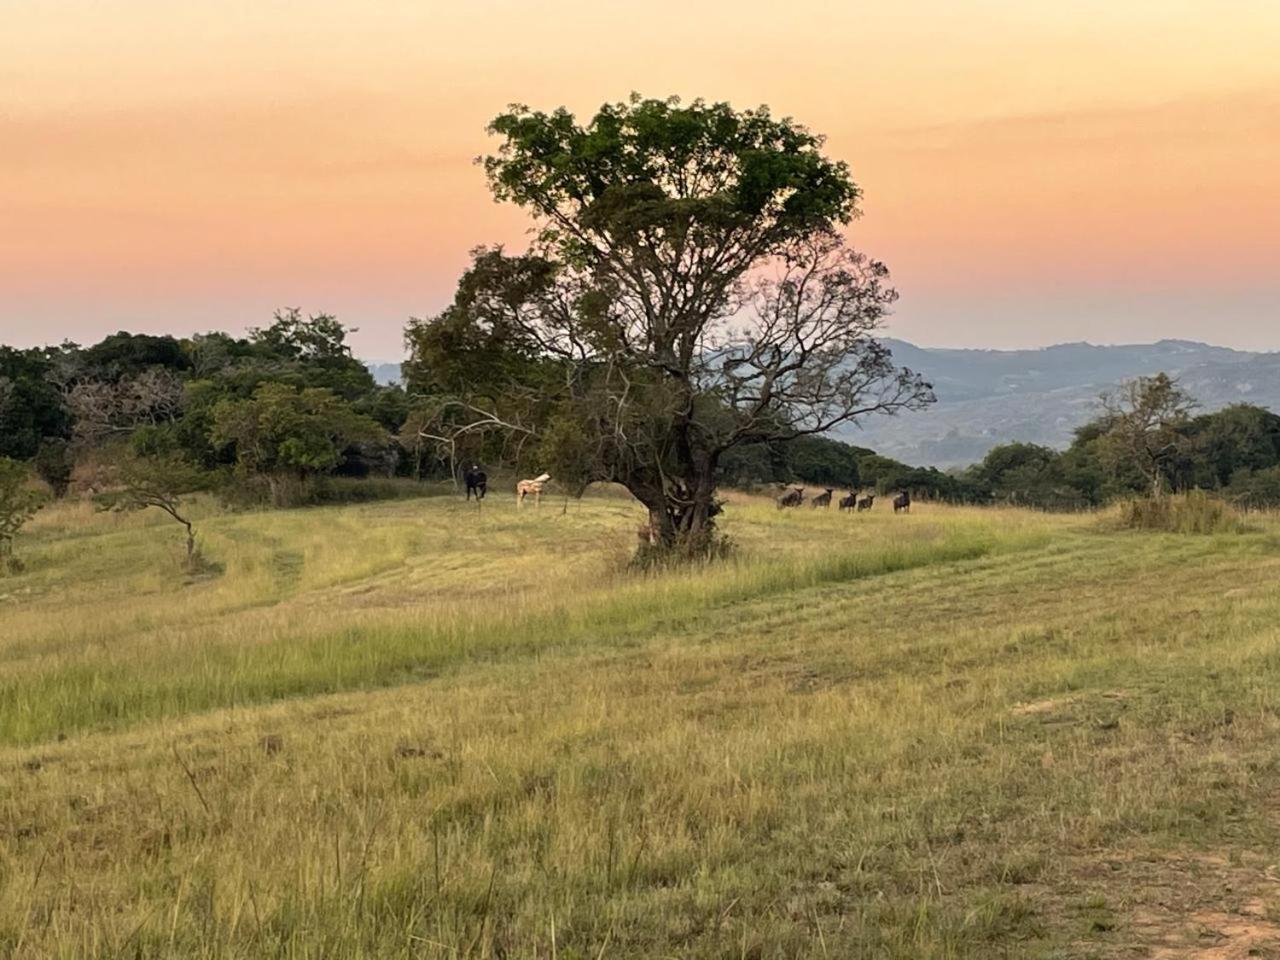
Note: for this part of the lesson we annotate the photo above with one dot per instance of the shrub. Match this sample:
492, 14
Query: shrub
162, 482
18, 504
1255, 489
706, 546
1194, 512
53, 463
249, 492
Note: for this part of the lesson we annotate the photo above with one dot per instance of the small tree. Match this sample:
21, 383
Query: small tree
53, 462
18, 504
162, 482
568, 455
281, 433
1145, 427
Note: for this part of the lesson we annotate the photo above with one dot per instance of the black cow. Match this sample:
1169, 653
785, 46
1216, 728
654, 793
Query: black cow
902, 503
866, 502
476, 480
822, 499
849, 502
792, 498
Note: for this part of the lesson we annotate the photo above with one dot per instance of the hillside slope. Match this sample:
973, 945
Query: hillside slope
416, 729
986, 397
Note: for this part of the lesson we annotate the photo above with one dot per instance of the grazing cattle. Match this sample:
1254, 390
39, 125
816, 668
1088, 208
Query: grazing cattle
849, 502
477, 481
866, 502
532, 488
902, 503
822, 499
792, 498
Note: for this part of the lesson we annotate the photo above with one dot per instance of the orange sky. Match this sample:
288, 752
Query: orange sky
1033, 172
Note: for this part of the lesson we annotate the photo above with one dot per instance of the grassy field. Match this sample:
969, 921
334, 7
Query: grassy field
415, 729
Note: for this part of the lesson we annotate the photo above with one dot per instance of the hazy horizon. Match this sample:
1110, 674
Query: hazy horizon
1033, 175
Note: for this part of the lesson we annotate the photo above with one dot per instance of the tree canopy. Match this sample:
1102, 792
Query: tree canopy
687, 292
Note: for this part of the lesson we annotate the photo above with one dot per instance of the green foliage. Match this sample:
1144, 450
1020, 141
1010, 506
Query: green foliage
682, 173
1230, 450
159, 480
475, 348
319, 338
18, 504
31, 408
389, 406
1026, 473
1145, 428
54, 465
1255, 489
301, 351
812, 460
1194, 512
1220, 444
707, 545
125, 355
627, 312
821, 461
749, 465
567, 453
282, 432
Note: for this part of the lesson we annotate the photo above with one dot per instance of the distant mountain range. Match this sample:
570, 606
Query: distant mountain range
987, 397
385, 373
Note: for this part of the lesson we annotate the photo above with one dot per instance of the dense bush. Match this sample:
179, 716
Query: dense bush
54, 465
1255, 489
18, 504
293, 412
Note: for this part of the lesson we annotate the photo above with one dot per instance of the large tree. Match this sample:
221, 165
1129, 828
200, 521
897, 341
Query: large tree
1145, 428
687, 291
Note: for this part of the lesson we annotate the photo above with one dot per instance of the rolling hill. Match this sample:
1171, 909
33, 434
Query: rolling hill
988, 397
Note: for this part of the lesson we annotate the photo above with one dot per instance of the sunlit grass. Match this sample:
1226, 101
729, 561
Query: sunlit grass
415, 729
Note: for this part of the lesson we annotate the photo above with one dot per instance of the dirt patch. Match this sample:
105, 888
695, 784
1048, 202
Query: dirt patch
1197, 905
1209, 935
1038, 708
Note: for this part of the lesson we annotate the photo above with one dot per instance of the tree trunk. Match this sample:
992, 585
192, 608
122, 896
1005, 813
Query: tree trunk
681, 513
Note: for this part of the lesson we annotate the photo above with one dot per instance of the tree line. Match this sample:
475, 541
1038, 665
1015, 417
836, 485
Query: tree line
688, 293
688, 313
265, 416
144, 420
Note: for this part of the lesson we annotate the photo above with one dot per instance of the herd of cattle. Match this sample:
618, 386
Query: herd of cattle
477, 484
795, 496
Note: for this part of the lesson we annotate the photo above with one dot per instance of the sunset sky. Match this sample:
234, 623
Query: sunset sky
1034, 172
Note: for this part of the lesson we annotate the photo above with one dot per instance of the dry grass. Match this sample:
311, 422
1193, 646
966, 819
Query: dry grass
1195, 512
413, 730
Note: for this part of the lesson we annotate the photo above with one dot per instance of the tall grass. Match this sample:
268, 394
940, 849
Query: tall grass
415, 729
1193, 512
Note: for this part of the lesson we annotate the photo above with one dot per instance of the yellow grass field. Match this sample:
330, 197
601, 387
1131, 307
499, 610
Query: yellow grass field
418, 729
